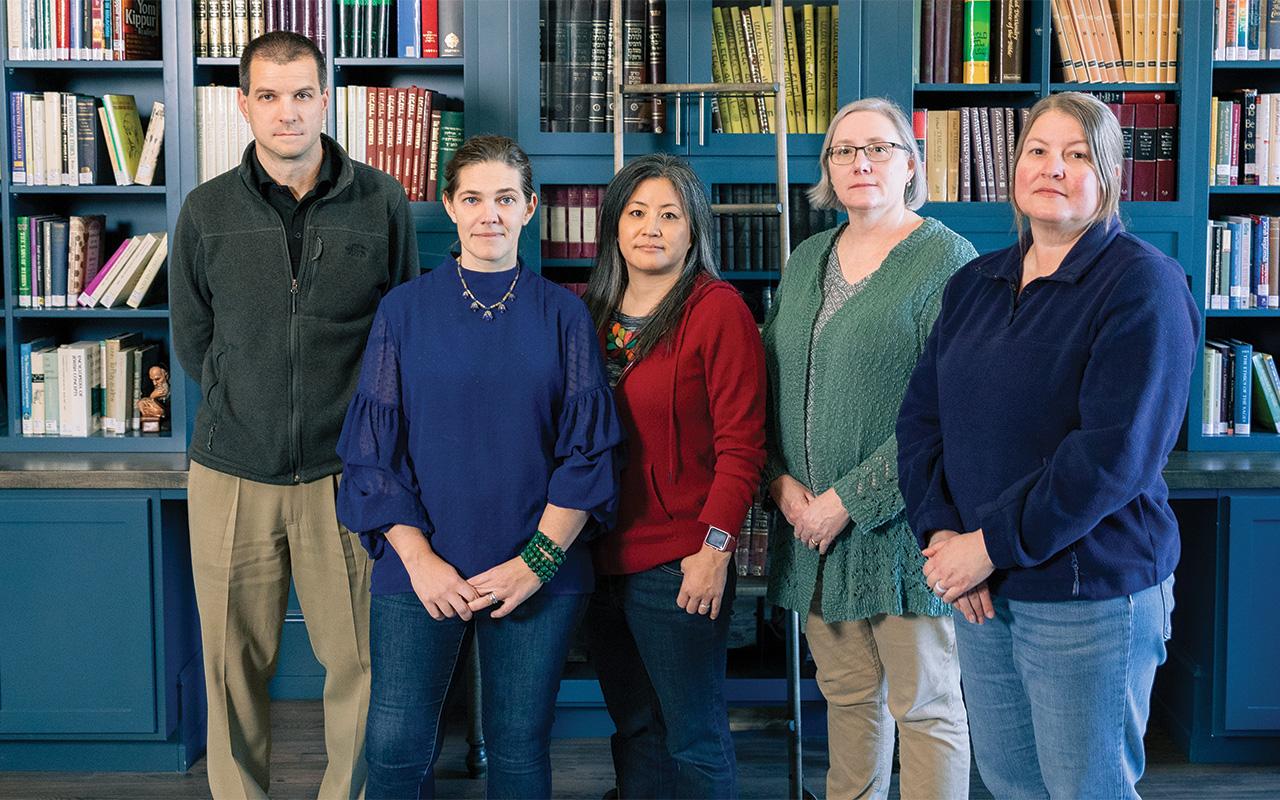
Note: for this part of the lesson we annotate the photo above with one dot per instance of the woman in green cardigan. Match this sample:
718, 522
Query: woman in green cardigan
852, 313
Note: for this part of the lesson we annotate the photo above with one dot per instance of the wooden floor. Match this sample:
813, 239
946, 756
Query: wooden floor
582, 769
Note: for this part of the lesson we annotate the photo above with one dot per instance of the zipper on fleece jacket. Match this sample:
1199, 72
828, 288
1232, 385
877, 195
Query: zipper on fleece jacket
295, 346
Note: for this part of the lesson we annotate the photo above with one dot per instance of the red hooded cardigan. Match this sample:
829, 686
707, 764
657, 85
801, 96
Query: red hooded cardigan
694, 415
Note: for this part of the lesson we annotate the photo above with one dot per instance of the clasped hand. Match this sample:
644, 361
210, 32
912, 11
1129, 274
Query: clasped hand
956, 568
815, 521
446, 594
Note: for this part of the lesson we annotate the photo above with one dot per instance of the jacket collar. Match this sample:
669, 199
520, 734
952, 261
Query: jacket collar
346, 172
1083, 255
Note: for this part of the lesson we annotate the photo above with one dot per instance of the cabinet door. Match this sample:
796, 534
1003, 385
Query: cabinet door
1253, 649
76, 614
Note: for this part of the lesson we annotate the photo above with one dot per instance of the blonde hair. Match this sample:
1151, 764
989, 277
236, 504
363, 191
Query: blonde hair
823, 195
1101, 133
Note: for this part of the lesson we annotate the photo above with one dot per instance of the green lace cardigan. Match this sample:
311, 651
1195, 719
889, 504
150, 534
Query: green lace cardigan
862, 362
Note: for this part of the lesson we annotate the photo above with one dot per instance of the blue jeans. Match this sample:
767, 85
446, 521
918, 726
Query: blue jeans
662, 674
413, 658
1058, 692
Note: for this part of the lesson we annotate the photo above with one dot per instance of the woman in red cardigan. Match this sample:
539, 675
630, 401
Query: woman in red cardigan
687, 365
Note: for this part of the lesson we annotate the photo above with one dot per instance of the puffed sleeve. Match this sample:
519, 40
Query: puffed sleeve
589, 430
378, 487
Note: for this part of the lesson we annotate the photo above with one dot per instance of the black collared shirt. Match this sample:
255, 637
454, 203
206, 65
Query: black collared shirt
293, 212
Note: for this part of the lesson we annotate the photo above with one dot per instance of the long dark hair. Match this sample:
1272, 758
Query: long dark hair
609, 278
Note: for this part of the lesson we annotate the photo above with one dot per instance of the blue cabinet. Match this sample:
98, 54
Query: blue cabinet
1251, 691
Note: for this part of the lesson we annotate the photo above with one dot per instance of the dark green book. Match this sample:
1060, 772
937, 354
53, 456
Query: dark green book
450, 141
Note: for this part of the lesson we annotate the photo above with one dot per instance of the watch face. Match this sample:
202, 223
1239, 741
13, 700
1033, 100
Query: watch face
717, 538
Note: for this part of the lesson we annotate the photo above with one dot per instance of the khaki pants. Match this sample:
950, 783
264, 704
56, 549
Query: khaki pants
247, 538
886, 668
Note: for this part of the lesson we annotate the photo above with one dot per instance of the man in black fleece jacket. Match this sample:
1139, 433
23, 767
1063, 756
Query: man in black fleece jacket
276, 271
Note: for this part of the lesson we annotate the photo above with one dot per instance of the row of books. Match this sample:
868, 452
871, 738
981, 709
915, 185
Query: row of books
1244, 139
568, 226
749, 242
59, 263
751, 556
1242, 267
408, 132
972, 42
1241, 389
225, 27
968, 152
222, 132
742, 52
83, 30
1246, 30
576, 64
58, 139
424, 29
1117, 41
81, 388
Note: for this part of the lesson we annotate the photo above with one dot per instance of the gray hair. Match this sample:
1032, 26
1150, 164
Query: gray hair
1101, 133
823, 195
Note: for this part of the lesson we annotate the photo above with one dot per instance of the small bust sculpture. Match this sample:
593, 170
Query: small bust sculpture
152, 407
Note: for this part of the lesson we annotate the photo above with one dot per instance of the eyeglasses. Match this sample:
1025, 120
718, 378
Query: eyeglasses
877, 152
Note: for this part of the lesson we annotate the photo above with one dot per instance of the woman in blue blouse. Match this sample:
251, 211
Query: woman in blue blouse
1030, 448
479, 443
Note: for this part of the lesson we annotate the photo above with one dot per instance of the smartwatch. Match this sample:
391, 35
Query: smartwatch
720, 540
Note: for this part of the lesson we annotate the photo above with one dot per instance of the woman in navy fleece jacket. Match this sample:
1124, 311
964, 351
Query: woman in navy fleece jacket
1030, 448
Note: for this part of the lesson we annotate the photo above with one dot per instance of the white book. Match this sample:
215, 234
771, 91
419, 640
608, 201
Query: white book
120, 400
1262, 140
35, 126
35, 425
52, 139
113, 416
79, 382
1272, 124
151, 146
341, 133
90, 298
355, 122
125, 278
203, 147
13, 26
52, 412
149, 273
70, 142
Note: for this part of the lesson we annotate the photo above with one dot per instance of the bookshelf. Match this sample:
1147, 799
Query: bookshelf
129, 211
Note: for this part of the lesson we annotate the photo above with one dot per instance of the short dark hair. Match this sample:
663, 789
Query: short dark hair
281, 47
609, 276
489, 148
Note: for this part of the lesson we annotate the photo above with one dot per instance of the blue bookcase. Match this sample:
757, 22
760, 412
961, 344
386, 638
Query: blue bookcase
129, 210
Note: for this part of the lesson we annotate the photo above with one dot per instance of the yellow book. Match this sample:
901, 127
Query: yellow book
795, 87
740, 69
721, 73
1213, 141
953, 154
749, 67
822, 49
1160, 39
1108, 33
780, 71
1141, 40
810, 69
125, 129
764, 57
835, 64
935, 160
1175, 19
1066, 45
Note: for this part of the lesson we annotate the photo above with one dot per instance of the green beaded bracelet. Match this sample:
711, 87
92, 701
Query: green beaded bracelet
543, 556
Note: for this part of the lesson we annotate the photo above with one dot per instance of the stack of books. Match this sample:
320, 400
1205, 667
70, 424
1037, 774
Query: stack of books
78, 30
742, 52
1242, 269
408, 132
1241, 389
569, 215
56, 139
751, 556
82, 388
1117, 41
968, 152
577, 64
1246, 30
424, 29
225, 27
1244, 139
222, 133
968, 41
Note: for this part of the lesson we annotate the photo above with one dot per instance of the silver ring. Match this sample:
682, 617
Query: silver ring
939, 589
493, 599
704, 605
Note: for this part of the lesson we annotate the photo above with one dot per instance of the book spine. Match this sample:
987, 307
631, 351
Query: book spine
925, 67
1166, 152
450, 20
656, 60
429, 19
17, 135
22, 235
977, 41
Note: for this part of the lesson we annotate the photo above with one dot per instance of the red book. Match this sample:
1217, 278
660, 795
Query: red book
590, 216
382, 161
409, 175
430, 29
422, 141
1146, 97
1124, 113
1167, 152
396, 124
573, 211
371, 126
1145, 117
